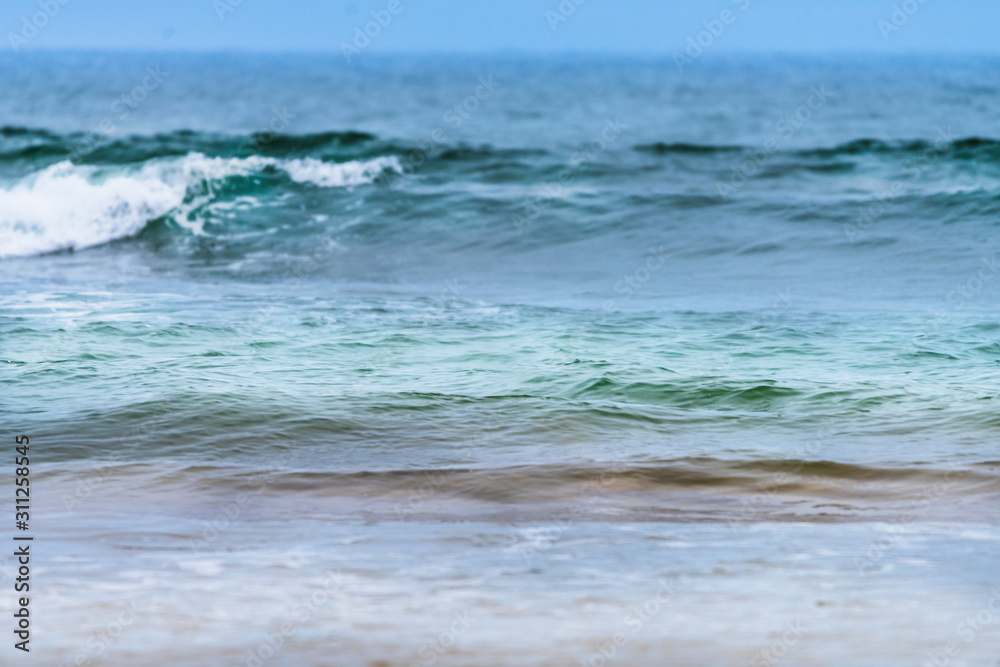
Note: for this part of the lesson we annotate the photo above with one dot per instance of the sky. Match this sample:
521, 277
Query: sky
490, 26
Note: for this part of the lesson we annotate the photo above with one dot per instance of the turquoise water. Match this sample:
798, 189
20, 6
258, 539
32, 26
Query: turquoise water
507, 366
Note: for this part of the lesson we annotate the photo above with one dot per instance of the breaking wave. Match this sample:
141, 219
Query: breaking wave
69, 206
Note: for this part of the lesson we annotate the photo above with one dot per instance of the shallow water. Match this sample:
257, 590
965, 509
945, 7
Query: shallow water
521, 363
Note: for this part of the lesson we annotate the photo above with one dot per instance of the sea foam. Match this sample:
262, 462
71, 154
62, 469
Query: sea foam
79, 206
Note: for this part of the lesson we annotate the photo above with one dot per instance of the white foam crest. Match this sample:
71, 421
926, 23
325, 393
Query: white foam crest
329, 175
69, 206
65, 206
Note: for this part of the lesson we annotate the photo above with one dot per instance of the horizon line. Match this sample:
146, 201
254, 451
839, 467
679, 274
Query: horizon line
597, 53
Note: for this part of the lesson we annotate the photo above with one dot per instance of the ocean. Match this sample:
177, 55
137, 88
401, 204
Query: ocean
503, 360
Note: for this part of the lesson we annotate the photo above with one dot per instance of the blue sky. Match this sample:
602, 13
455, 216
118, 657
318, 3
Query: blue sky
627, 26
